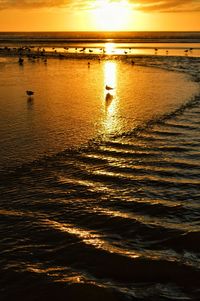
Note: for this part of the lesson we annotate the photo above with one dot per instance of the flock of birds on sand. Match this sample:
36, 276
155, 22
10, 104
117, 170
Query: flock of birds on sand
40, 53
34, 53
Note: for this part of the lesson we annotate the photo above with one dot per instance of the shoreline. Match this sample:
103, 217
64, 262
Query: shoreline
178, 63
74, 51
35, 54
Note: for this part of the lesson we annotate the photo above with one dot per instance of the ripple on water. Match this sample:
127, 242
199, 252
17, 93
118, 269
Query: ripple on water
115, 220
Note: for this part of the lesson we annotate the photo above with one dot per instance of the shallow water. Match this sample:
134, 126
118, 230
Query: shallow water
118, 217
71, 105
128, 49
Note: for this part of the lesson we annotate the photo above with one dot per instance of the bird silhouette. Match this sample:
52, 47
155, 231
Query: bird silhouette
20, 61
108, 87
29, 93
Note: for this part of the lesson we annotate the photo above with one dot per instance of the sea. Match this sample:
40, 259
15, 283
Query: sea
100, 168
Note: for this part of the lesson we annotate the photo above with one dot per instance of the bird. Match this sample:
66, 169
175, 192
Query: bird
20, 61
108, 88
29, 93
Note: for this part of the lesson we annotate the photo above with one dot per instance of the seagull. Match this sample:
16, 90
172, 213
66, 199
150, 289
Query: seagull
29, 93
20, 61
108, 88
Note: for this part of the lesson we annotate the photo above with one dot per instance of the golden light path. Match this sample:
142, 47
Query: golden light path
110, 97
109, 48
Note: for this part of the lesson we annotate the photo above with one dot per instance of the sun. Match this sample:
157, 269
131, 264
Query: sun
111, 15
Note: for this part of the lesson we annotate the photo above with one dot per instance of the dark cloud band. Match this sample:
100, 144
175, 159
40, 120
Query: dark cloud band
143, 5
23, 4
167, 5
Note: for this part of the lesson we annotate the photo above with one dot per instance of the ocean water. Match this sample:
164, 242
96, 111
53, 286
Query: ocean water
99, 190
124, 43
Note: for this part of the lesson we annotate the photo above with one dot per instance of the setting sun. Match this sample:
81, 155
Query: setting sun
111, 15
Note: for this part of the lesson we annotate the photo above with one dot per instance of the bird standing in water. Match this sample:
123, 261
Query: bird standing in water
29, 93
108, 87
20, 61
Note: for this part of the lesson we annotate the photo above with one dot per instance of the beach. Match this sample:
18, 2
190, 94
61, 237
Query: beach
99, 170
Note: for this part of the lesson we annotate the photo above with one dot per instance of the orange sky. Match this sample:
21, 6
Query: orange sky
87, 15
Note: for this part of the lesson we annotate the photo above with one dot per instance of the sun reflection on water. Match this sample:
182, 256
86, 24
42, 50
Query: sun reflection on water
110, 48
110, 71
110, 97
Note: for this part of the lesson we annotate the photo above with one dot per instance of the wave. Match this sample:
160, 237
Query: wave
117, 219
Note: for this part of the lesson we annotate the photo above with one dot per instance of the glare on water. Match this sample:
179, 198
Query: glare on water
111, 120
70, 105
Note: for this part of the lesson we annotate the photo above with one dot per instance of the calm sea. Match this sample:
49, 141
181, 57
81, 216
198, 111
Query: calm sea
129, 43
81, 35
100, 189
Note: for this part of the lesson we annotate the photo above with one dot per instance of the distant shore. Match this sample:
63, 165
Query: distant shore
34, 54
179, 63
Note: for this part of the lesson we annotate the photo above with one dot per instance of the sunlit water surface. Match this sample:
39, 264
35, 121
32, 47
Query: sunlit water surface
71, 105
117, 219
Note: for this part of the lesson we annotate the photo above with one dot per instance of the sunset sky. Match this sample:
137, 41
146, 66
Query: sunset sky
101, 15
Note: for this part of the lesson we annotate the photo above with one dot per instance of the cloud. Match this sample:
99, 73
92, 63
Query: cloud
27, 4
166, 5
143, 5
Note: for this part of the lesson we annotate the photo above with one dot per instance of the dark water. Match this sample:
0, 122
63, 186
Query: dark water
118, 219
129, 43
134, 36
